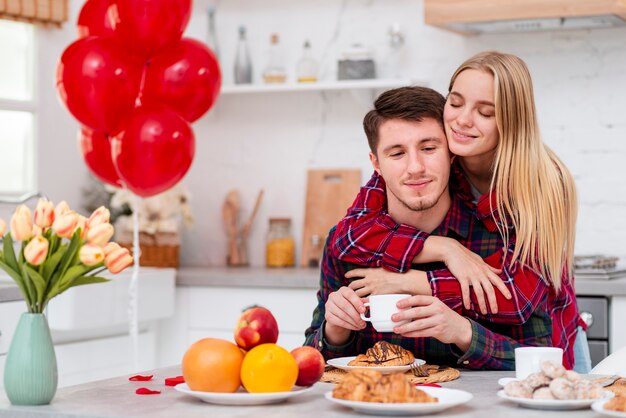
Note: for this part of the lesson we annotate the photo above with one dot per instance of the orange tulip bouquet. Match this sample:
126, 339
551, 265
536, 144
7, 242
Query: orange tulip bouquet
59, 249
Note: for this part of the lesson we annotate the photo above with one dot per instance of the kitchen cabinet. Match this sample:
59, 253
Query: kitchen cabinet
490, 16
214, 312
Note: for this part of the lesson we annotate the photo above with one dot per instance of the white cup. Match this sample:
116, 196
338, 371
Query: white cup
382, 307
528, 360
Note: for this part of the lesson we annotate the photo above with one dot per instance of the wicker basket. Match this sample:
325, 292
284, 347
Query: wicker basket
156, 255
157, 250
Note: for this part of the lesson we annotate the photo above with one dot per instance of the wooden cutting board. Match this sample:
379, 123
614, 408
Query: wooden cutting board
329, 193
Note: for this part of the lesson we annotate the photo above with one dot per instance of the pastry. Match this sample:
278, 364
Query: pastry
537, 380
373, 386
384, 354
543, 393
518, 389
552, 370
618, 403
568, 386
562, 388
586, 389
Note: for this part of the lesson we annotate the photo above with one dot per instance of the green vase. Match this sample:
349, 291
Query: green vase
30, 372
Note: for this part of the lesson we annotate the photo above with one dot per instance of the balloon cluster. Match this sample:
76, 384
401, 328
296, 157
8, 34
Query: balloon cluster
135, 85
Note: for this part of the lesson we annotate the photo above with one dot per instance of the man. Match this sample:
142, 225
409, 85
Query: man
409, 151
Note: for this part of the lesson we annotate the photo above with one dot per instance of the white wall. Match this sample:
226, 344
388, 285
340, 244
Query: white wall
270, 140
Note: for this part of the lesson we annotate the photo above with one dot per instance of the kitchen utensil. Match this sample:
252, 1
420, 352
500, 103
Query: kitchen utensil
244, 232
329, 194
230, 215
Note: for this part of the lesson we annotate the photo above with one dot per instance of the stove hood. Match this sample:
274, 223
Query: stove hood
502, 16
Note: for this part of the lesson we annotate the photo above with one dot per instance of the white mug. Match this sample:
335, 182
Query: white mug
382, 307
528, 360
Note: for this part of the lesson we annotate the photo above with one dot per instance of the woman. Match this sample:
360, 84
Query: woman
502, 166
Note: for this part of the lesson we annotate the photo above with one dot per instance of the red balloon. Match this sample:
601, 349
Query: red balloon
154, 151
186, 77
146, 26
93, 19
96, 150
98, 83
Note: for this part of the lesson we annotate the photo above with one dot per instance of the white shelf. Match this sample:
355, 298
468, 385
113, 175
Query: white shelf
319, 86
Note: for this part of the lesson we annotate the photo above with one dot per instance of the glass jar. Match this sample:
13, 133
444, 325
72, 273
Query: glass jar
280, 246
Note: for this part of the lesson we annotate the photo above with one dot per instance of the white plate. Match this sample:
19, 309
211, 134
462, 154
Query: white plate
241, 397
598, 406
554, 404
342, 363
447, 398
504, 380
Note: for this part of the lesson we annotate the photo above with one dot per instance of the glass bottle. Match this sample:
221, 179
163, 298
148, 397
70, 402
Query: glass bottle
280, 246
306, 69
315, 251
211, 35
243, 64
275, 71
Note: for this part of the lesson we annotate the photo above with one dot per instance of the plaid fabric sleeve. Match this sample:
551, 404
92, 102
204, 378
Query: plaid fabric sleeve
368, 236
493, 350
330, 281
528, 290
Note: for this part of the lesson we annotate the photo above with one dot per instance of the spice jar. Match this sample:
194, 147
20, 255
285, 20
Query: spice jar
280, 247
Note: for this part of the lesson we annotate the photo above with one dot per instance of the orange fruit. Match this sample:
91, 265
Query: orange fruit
268, 368
213, 365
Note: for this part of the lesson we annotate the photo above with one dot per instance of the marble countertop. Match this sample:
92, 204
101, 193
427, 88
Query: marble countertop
116, 398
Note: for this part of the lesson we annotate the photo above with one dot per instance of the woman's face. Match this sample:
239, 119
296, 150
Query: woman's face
469, 115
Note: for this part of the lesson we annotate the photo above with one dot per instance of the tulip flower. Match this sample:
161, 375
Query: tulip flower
3, 227
90, 254
110, 247
44, 213
82, 224
21, 224
37, 230
65, 224
36, 250
118, 260
99, 216
100, 234
61, 209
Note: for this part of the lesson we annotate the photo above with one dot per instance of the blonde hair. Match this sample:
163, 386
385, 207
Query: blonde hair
535, 192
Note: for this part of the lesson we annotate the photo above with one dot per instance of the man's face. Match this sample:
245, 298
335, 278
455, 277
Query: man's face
414, 160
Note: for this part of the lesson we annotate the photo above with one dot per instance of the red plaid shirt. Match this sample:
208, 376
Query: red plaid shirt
368, 236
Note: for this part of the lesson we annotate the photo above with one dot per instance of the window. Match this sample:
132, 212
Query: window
17, 108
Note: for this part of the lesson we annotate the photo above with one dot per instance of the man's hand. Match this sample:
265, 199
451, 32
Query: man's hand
343, 315
378, 281
430, 317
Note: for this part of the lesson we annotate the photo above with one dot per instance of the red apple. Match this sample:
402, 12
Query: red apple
310, 365
256, 326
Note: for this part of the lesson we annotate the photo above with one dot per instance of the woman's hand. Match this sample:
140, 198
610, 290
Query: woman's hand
472, 271
378, 281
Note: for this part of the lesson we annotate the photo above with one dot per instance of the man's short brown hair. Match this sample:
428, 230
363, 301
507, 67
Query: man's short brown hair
408, 103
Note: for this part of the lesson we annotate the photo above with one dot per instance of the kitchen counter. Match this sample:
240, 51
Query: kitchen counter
116, 398
298, 277
308, 278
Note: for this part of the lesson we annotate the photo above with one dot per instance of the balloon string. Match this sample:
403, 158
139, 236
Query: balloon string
142, 83
133, 297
